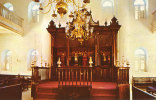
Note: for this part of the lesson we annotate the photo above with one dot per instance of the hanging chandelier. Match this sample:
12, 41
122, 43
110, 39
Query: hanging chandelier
57, 6
78, 23
78, 26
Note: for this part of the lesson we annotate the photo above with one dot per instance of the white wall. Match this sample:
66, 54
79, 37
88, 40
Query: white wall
132, 35
35, 37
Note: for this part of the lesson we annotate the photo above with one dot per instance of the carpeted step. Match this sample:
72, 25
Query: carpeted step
104, 98
104, 91
43, 99
47, 90
47, 96
104, 94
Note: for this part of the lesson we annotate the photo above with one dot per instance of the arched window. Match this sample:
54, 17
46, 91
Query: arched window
6, 60
33, 11
9, 6
32, 58
140, 60
140, 9
107, 3
108, 8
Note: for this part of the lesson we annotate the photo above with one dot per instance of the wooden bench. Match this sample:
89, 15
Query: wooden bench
143, 81
151, 90
139, 94
24, 80
11, 92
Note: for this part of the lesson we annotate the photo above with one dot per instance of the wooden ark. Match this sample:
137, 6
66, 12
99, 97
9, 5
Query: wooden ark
102, 47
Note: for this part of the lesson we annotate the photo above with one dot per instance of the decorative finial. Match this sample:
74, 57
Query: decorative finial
59, 62
106, 23
59, 25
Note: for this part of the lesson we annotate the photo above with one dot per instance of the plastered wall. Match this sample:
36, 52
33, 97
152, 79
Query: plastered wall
133, 34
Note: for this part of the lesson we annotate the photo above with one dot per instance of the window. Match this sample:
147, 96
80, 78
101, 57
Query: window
108, 8
6, 60
9, 6
33, 12
140, 60
107, 3
32, 58
140, 9
5, 12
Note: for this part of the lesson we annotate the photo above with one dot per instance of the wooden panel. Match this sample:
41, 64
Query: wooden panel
12, 92
103, 44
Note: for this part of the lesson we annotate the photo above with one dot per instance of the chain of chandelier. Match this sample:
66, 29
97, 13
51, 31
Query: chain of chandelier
78, 23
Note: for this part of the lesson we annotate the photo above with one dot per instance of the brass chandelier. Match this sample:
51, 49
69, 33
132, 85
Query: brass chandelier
78, 23
78, 26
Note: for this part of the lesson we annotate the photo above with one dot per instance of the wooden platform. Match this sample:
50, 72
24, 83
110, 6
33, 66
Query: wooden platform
99, 91
95, 85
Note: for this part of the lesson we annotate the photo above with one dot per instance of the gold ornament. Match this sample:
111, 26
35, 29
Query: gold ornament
62, 8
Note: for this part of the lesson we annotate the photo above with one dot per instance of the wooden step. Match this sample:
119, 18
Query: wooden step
104, 98
47, 96
47, 90
104, 94
43, 99
104, 91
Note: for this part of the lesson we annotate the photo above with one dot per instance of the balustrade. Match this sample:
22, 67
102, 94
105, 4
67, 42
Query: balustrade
78, 76
40, 74
4, 12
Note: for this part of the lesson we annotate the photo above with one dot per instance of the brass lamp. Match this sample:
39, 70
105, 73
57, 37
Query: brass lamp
78, 26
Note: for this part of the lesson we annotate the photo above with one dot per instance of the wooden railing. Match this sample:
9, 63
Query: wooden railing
74, 76
40, 74
4, 12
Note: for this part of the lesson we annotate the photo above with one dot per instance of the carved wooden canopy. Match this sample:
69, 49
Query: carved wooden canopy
104, 39
104, 32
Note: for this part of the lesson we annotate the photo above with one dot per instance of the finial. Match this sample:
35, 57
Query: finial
59, 24
106, 22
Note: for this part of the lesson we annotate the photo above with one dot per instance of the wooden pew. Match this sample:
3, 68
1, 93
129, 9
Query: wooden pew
139, 94
24, 80
11, 92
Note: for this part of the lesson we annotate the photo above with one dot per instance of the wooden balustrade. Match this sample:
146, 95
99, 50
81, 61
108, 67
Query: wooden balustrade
75, 76
4, 12
40, 74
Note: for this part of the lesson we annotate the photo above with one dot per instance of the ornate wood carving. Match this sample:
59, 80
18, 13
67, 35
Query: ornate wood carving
102, 47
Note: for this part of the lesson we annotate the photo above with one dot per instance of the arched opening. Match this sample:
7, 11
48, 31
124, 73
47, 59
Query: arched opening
33, 12
140, 60
9, 6
108, 8
107, 3
32, 58
140, 9
6, 60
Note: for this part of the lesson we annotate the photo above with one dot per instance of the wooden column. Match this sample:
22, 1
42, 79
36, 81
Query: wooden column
97, 56
115, 46
52, 50
52, 68
68, 51
96, 50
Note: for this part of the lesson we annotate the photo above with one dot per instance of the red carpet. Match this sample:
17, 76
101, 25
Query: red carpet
95, 85
99, 91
